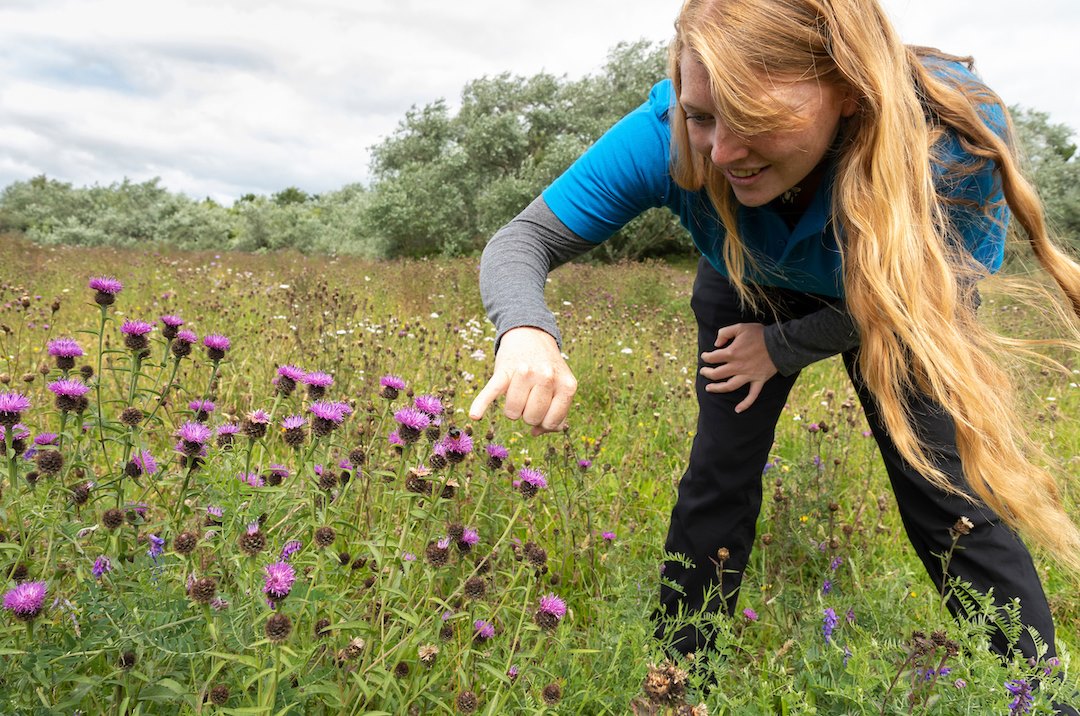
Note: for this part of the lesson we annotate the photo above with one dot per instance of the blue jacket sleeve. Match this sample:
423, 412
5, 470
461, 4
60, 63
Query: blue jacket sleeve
624, 173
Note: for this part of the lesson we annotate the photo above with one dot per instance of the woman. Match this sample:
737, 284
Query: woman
846, 193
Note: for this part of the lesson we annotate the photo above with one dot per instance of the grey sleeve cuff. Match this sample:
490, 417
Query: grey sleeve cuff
515, 265
797, 343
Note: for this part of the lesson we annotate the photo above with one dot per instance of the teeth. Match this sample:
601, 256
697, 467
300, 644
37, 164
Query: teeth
743, 173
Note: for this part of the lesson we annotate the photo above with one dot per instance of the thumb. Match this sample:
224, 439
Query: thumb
495, 387
726, 334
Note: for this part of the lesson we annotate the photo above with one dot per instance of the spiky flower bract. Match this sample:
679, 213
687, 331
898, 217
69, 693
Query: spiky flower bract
216, 346
411, 423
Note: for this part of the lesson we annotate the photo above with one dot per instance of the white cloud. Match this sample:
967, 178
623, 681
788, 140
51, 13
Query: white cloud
222, 99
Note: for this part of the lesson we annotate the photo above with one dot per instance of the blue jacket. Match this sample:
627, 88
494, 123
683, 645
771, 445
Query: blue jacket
627, 171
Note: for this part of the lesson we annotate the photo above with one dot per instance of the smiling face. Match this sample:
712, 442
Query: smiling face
762, 166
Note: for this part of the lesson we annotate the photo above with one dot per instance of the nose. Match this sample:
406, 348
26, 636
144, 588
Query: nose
727, 147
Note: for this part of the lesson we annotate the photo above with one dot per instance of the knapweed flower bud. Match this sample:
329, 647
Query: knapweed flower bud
185, 542
325, 536
219, 695
467, 702
278, 627
255, 423
112, 518
252, 540
203, 590
131, 416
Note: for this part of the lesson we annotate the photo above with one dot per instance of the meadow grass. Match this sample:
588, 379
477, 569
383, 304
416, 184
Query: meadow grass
333, 565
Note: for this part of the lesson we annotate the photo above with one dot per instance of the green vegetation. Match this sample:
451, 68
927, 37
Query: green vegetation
385, 619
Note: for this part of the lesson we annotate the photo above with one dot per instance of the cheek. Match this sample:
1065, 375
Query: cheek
699, 139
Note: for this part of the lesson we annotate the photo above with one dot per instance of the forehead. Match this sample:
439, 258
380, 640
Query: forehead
791, 93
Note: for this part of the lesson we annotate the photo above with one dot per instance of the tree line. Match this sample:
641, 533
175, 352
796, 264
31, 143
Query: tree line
444, 181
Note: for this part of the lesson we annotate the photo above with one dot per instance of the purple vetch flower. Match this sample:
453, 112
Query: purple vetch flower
750, 615
65, 351
411, 423
829, 623
102, 565
12, 406
26, 600
105, 289
291, 547
847, 654
835, 563
826, 587
428, 404
484, 630
157, 547
960, 684
408, 557
1020, 688
216, 345
850, 616
193, 436
279, 580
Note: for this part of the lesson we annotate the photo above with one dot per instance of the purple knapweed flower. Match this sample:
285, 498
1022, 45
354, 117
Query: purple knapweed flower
105, 289
1021, 689
293, 422
102, 565
484, 630
157, 547
291, 547
530, 482
392, 381
470, 537
193, 436
26, 600
227, 429
186, 336
429, 404
136, 328
279, 580
253, 479
608, 536
750, 615
333, 412
12, 406
172, 324
549, 612
202, 407
411, 422
277, 473
317, 379
584, 464
216, 345
512, 672
145, 463
65, 351
394, 438
68, 392
497, 451
829, 623
43, 439
291, 372
457, 445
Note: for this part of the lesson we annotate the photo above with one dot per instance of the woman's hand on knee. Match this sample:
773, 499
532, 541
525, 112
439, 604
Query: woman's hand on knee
531, 373
740, 359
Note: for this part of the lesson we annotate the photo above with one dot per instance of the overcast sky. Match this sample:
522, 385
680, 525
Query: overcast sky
224, 97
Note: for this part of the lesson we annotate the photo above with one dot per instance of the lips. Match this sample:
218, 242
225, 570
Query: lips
744, 177
744, 173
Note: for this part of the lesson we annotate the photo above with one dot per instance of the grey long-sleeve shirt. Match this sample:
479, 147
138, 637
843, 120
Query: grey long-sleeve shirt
517, 260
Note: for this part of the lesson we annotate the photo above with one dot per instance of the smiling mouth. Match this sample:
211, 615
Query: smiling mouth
744, 173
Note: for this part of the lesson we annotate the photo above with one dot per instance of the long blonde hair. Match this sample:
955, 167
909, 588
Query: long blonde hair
907, 276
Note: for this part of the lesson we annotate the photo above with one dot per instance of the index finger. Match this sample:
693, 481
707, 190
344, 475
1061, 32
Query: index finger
495, 387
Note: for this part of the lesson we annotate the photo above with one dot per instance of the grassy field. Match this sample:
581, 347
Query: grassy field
313, 558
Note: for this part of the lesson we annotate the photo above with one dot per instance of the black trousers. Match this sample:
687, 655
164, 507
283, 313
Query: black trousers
720, 493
